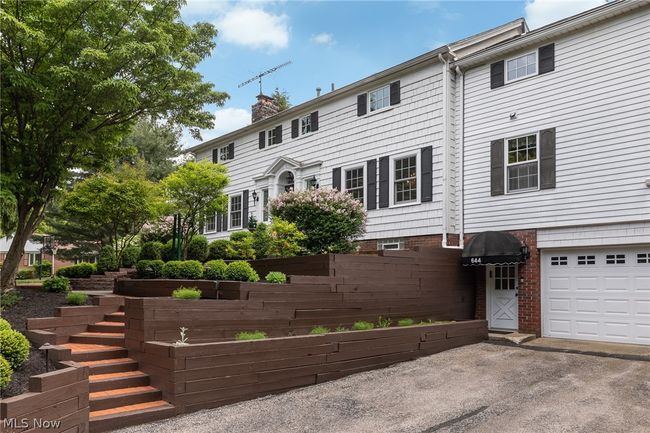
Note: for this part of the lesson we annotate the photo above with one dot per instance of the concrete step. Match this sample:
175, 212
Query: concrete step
108, 327
124, 379
93, 352
113, 398
123, 416
102, 338
114, 365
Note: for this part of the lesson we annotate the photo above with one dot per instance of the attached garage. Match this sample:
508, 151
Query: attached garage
600, 294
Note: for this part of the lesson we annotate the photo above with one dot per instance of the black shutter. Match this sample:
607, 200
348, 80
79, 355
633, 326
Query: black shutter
336, 178
496, 167
314, 121
219, 223
231, 151
224, 224
278, 134
384, 167
546, 56
394, 93
547, 158
426, 169
295, 128
371, 196
262, 140
215, 155
497, 75
244, 209
362, 104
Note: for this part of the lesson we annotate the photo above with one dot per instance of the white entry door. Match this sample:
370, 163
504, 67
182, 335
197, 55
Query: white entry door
502, 306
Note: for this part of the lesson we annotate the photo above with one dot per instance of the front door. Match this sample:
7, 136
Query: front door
502, 305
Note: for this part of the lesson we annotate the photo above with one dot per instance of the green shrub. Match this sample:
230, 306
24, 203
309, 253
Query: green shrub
254, 335
80, 270
186, 293
76, 298
241, 271
362, 326
149, 268
261, 240
240, 246
4, 324
9, 299
107, 261
166, 252
218, 250
318, 330
25, 274
46, 268
5, 372
276, 278
280, 239
172, 269
151, 251
198, 248
405, 322
130, 256
215, 270
384, 322
56, 284
183, 270
331, 220
14, 347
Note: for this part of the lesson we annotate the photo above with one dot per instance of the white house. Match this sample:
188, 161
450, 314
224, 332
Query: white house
542, 136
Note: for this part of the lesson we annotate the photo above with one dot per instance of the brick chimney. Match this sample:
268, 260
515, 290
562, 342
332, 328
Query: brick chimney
265, 107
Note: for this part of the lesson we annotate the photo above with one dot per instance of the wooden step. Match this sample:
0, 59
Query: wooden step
124, 379
113, 398
93, 352
114, 365
110, 327
105, 338
117, 316
123, 416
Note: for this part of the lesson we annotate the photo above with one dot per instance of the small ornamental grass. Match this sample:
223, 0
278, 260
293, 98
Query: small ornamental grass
76, 298
405, 322
341, 329
251, 335
362, 326
5, 372
186, 293
384, 322
241, 271
319, 330
276, 278
14, 347
56, 284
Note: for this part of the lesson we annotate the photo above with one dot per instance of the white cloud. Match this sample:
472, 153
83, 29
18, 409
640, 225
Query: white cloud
203, 8
229, 119
254, 28
323, 39
542, 12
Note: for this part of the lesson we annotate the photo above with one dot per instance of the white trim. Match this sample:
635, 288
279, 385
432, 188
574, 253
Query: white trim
391, 178
268, 137
362, 165
241, 211
489, 289
534, 74
507, 165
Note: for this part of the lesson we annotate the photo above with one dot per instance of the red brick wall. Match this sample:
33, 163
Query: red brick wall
412, 241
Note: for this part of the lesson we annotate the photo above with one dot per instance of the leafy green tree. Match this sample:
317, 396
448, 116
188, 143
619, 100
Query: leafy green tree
76, 76
194, 191
281, 99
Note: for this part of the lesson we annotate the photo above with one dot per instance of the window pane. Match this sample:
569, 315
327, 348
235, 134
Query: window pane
522, 176
405, 185
354, 183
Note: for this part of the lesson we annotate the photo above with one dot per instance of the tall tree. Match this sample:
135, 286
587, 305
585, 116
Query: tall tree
75, 77
281, 99
195, 191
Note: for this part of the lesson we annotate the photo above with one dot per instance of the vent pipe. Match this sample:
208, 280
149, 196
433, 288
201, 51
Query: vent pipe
318, 91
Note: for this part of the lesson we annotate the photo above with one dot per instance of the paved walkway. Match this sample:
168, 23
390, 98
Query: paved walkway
480, 388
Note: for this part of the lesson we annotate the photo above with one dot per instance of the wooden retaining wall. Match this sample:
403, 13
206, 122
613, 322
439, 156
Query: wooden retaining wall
160, 287
58, 400
200, 376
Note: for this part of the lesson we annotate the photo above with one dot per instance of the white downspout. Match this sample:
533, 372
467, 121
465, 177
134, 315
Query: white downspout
460, 85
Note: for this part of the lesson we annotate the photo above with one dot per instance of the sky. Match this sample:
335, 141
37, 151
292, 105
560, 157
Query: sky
337, 41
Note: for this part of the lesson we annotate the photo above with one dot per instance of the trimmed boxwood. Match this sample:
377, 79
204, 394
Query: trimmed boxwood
56, 284
183, 270
151, 251
25, 274
4, 324
149, 268
198, 248
5, 372
130, 256
241, 271
14, 347
80, 270
218, 249
215, 270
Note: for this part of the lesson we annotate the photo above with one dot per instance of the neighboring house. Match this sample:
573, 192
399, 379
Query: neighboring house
542, 136
31, 254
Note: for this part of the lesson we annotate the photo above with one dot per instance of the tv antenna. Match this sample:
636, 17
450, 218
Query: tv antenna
259, 76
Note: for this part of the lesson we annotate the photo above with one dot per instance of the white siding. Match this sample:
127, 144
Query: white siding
599, 235
344, 139
598, 98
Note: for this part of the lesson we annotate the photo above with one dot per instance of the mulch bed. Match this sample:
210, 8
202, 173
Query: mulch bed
33, 303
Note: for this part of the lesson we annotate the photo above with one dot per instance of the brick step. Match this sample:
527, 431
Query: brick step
94, 352
113, 398
117, 316
104, 338
123, 416
124, 379
109, 327
114, 365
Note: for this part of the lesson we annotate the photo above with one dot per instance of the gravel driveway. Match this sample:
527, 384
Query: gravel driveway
480, 388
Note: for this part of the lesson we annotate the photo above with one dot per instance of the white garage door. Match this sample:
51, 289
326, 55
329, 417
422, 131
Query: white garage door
600, 294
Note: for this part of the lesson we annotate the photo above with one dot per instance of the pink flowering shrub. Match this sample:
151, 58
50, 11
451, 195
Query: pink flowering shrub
331, 220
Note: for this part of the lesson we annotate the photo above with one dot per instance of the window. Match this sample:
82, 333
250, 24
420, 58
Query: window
354, 184
405, 183
559, 261
643, 258
32, 259
521, 67
223, 153
522, 163
311, 183
505, 277
390, 244
266, 216
305, 124
586, 260
210, 224
271, 137
235, 212
287, 182
379, 98
615, 259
